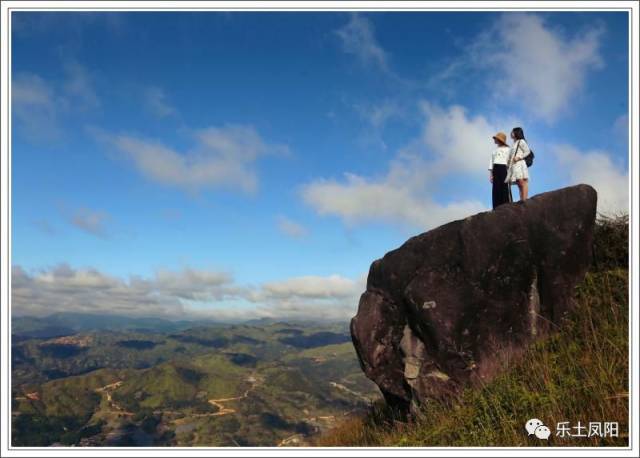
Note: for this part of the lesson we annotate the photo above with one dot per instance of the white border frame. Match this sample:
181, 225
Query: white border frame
5, 215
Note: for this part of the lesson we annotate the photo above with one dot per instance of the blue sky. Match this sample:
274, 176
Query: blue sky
237, 165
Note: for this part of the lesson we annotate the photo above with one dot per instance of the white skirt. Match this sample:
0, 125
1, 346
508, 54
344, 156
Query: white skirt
518, 171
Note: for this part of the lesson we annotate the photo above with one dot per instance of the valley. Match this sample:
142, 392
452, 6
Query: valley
209, 385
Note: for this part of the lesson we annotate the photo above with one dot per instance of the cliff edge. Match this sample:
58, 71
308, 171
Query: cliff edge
448, 307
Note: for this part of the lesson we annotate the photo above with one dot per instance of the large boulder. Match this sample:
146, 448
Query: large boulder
450, 306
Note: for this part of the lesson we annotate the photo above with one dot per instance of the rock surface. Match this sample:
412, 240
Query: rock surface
447, 308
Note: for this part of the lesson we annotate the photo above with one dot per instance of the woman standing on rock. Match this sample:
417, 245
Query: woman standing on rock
518, 170
501, 192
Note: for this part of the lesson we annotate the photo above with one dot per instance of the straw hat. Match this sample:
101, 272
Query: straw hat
501, 137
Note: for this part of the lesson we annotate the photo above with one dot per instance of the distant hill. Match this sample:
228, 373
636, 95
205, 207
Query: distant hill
208, 384
67, 323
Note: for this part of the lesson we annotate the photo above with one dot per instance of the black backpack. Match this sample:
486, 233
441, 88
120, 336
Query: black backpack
528, 159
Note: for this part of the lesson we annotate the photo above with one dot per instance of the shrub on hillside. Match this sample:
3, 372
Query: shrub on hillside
611, 243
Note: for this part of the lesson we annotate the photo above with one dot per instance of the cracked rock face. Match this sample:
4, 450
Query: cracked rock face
450, 306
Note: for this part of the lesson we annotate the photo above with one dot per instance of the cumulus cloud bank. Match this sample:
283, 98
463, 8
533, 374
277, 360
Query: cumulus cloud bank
185, 294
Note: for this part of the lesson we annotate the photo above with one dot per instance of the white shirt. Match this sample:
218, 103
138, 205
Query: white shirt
522, 149
500, 156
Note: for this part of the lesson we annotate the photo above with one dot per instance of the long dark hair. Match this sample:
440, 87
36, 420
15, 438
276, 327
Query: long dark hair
518, 133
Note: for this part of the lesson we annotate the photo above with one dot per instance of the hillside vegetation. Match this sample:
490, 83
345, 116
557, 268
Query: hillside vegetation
578, 374
212, 385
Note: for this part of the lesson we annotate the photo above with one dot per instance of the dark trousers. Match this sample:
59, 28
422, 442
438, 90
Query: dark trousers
501, 192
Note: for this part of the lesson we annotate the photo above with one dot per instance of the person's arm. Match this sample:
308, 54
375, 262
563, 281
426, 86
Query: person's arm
491, 168
515, 156
523, 150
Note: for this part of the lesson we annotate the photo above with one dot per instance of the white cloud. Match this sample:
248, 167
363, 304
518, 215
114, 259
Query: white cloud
33, 103
378, 114
30, 89
529, 65
79, 87
194, 284
223, 157
62, 288
44, 226
451, 142
310, 297
64, 277
90, 221
359, 200
291, 228
621, 125
185, 294
543, 68
621, 130
333, 286
156, 102
459, 142
40, 105
358, 38
596, 168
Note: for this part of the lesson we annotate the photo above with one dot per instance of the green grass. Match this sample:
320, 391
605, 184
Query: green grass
342, 350
181, 384
578, 374
223, 378
62, 411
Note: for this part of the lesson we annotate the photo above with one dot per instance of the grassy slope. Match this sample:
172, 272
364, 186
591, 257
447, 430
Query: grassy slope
579, 374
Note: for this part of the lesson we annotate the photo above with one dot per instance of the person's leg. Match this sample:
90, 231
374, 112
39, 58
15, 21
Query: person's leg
504, 187
500, 189
525, 189
521, 189
507, 193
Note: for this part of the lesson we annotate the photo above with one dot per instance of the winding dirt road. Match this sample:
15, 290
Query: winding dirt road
222, 410
116, 408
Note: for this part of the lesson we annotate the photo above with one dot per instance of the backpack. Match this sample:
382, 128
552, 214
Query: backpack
528, 159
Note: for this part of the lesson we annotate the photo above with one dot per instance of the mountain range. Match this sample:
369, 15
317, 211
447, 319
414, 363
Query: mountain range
106, 380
